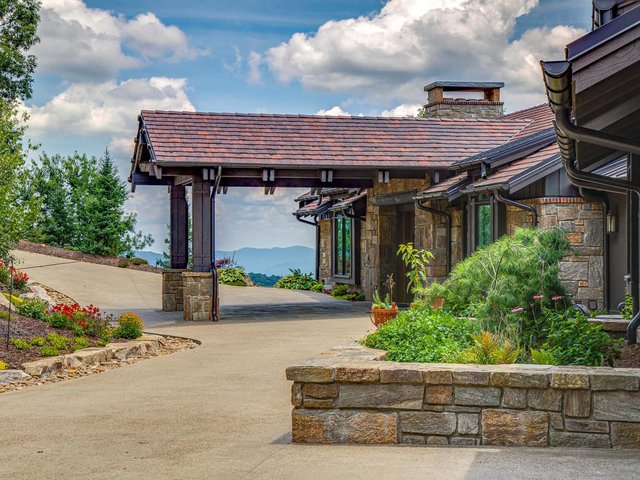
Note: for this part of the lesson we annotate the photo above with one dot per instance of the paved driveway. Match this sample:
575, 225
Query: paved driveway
222, 411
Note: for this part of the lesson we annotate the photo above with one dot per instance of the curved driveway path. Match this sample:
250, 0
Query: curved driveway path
222, 411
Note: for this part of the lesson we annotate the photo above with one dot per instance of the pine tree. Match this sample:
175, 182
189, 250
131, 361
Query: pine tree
107, 228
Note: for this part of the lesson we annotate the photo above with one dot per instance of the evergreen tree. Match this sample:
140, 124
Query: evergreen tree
107, 229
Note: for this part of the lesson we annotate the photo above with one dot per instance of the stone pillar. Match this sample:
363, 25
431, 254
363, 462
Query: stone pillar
172, 290
179, 220
201, 222
198, 291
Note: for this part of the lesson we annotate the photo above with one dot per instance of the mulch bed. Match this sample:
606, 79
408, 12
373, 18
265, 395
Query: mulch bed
630, 357
42, 249
28, 328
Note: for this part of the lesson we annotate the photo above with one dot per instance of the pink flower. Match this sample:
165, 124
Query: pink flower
517, 310
538, 296
555, 298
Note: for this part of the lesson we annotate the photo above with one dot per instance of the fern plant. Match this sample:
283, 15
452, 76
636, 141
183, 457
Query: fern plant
487, 349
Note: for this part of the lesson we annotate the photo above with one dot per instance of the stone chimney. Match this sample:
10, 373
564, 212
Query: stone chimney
464, 100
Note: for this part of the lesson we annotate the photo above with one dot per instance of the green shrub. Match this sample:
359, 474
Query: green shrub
487, 349
48, 351
423, 335
59, 320
235, 276
130, 325
5, 274
542, 357
518, 272
80, 343
20, 343
297, 280
3, 365
627, 310
138, 261
123, 263
58, 341
102, 343
34, 309
37, 342
573, 340
4, 315
317, 287
340, 290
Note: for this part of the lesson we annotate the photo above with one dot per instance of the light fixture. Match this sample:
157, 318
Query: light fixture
611, 222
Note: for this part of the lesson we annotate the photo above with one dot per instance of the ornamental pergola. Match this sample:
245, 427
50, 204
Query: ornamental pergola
211, 152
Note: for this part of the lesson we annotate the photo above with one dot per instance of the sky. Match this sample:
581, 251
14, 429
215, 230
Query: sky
101, 62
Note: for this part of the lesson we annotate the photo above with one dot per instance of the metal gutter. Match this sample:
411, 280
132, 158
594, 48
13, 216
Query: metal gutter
215, 298
522, 206
447, 217
316, 224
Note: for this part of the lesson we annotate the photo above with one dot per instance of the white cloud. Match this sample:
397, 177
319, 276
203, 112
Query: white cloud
409, 43
254, 62
333, 111
107, 108
404, 110
80, 43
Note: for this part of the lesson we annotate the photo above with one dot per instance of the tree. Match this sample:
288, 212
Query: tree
18, 33
16, 213
107, 229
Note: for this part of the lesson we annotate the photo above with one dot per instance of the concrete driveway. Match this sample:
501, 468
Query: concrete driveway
222, 411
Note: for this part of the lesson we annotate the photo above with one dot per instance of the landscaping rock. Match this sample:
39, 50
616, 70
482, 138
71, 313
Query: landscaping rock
8, 376
429, 423
381, 396
625, 435
514, 428
344, 426
477, 396
4, 302
44, 367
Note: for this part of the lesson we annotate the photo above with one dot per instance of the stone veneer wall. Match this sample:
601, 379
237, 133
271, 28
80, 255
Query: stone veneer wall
465, 109
172, 290
197, 296
348, 397
582, 271
325, 251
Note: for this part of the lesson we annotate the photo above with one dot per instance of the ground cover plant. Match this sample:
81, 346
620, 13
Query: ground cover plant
510, 307
235, 276
297, 280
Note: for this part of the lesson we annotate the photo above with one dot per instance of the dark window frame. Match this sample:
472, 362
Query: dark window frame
352, 276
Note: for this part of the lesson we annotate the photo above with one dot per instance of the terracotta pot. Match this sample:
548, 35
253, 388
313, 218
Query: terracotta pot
383, 315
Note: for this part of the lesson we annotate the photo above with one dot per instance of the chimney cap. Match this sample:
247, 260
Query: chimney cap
464, 86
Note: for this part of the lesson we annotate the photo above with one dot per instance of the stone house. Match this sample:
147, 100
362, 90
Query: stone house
474, 200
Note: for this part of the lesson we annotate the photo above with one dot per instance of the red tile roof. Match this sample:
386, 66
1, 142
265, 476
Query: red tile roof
246, 140
441, 189
504, 175
541, 118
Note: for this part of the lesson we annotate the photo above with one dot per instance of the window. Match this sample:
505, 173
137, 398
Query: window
483, 225
342, 246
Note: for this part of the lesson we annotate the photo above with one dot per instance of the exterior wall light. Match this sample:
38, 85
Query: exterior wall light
611, 222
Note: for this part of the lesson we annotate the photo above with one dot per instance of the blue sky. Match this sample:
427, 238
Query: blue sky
102, 61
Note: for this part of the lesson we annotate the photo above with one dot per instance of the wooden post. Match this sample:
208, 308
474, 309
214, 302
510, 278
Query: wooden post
179, 220
201, 222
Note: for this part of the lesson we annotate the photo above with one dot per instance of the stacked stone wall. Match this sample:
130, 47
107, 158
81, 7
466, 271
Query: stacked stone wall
582, 271
349, 396
325, 253
197, 296
172, 290
477, 109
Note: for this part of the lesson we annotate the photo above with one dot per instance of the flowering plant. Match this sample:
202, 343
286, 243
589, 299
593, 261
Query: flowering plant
10, 273
92, 321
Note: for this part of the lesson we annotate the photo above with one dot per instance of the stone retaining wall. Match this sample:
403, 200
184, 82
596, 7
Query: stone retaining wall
172, 290
349, 396
198, 291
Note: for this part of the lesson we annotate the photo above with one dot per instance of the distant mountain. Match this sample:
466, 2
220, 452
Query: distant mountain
270, 261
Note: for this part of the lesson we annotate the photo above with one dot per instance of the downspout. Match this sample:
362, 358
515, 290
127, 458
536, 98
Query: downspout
598, 197
522, 206
316, 224
215, 298
447, 217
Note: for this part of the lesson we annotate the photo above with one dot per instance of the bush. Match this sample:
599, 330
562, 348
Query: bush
4, 315
80, 343
340, 290
423, 335
82, 320
130, 325
123, 263
3, 365
5, 274
58, 320
317, 287
34, 309
37, 342
573, 340
138, 261
235, 276
20, 343
48, 351
58, 341
487, 349
516, 274
627, 310
297, 280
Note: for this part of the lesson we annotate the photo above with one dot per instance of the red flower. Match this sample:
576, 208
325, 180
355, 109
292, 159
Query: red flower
538, 296
555, 298
517, 310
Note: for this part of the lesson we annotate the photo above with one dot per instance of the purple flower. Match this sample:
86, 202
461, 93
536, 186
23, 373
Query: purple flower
555, 298
517, 310
538, 296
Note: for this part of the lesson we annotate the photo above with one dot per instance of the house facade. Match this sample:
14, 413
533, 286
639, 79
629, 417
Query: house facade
471, 202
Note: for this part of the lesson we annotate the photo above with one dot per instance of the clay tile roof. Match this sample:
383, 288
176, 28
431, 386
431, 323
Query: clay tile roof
212, 139
449, 188
544, 160
541, 118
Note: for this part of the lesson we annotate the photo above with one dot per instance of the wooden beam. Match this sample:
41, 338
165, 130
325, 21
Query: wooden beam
179, 235
144, 179
201, 223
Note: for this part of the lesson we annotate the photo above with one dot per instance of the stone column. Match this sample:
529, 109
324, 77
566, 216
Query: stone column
201, 222
179, 219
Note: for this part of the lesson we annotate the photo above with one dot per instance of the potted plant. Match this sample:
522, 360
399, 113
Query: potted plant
385, 309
